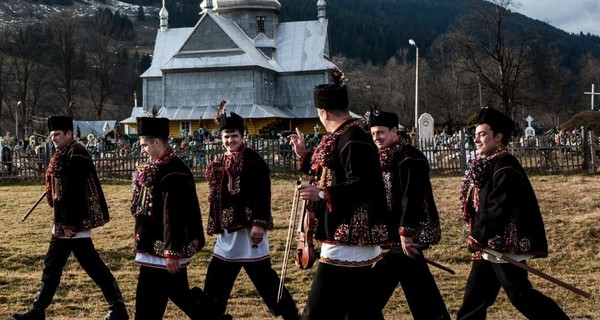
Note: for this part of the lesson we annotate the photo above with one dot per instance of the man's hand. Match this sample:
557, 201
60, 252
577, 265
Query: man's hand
173, 265
473, 245
297, 142
256, 235
410, 248
69, 232
309, 192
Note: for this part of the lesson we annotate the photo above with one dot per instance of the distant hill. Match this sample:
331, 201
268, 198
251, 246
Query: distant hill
369, 30
376, 29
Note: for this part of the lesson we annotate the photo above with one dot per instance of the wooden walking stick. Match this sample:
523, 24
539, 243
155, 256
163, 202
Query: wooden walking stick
33, 207
537, 272
437, 265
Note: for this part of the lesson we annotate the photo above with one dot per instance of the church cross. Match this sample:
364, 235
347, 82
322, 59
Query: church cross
592, 93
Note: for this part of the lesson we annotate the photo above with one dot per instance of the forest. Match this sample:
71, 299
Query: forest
471, 54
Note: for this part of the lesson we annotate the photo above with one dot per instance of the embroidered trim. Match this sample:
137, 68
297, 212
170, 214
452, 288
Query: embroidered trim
350, 263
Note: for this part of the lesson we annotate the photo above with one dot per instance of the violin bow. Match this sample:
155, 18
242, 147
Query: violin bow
288, 244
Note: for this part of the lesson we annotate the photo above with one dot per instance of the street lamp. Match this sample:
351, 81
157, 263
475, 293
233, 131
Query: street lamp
414, 44
17, 120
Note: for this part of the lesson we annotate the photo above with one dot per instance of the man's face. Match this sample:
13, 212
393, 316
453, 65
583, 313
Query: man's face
383, 136
150, 146
232, 141
486, 140
60, 138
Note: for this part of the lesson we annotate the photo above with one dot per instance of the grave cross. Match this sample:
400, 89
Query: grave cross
592, 93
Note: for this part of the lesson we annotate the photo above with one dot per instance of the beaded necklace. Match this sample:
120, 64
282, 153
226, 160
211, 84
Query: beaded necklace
476, 175
322, 156
54, 171
387, 154
143, 183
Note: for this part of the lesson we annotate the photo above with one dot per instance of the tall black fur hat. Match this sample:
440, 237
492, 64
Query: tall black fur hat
64, 123
497, 120
233, 122
375, 117
153, 126
334, 95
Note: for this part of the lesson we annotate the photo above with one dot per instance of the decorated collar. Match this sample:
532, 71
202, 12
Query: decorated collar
143, 183
387, 154
476, 175
322, 155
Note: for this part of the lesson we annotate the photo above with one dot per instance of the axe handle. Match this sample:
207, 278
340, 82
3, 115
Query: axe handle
33, 207
537, 272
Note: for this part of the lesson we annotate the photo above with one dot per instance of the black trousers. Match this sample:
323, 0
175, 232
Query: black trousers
89, 259
484, 283
154, 289
339, 293
421, 292
221, 276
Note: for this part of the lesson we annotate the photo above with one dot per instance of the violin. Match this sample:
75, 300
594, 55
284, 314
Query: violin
305, 254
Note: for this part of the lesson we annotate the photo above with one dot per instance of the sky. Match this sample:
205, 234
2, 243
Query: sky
570, 15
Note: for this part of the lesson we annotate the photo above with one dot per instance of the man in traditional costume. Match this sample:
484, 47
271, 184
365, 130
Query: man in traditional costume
413, 221
502, 213
348, 198
240, 215
168, 226
74, 192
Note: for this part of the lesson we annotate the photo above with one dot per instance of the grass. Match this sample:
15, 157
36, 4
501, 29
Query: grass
569, 205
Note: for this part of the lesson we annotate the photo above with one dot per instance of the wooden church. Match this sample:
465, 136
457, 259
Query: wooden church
240, 52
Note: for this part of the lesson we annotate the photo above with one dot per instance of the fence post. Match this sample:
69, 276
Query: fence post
463, 152
585, 162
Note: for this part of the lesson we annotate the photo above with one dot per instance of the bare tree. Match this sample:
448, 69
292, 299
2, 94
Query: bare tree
62, 40
496, 51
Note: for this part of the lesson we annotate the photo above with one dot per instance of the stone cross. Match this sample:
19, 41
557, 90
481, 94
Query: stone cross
529, 131
592, 93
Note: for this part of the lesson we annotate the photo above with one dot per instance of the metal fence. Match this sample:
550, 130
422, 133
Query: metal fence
448, 155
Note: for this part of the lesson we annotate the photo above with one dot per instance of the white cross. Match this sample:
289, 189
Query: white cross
592, 93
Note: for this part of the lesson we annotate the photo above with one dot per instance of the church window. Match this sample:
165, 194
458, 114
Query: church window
265, 89
185, 129
260, 24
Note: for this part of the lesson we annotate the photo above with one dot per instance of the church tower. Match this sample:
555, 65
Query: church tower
257, 18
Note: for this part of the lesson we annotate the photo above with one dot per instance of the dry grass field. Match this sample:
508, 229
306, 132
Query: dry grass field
570, 205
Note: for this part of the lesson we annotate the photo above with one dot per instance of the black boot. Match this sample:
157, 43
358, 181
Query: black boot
33, 314
286, 307
40, 303
118, 311
117, 308
206, 307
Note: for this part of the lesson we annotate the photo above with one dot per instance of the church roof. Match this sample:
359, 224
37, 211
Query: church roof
302, 45
194, 50
208, 112
299, 46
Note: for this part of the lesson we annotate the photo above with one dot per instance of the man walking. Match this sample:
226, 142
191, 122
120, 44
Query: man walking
74, 192
501, 210
414, 221
240, 215
168, 227
348, 199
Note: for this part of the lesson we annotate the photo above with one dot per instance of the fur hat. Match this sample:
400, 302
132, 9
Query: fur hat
375, 117
64, 123
334, 95
153, 127
233, 122
497, 120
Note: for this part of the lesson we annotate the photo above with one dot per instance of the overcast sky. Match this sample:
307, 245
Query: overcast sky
569, 15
